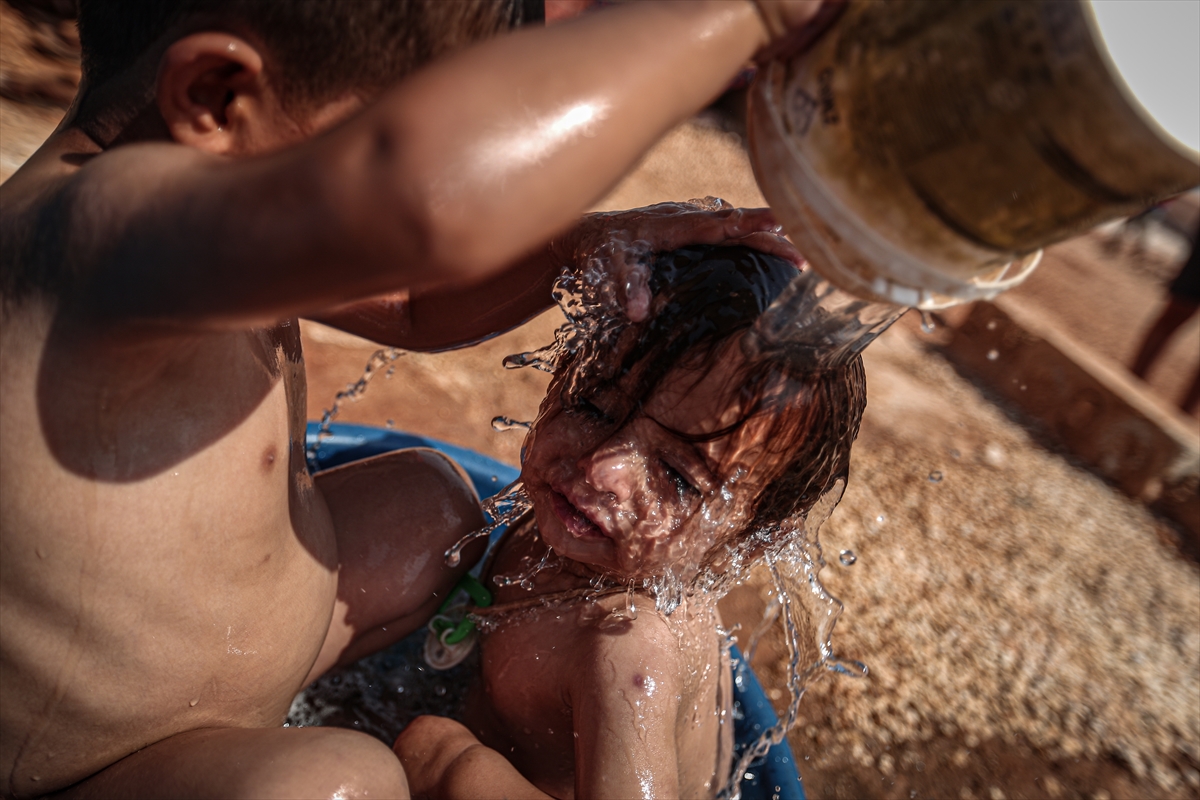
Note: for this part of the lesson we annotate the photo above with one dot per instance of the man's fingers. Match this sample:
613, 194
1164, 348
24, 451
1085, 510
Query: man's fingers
773, 244
707, 227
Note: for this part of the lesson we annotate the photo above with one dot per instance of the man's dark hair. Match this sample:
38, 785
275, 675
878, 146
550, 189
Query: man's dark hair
323, 48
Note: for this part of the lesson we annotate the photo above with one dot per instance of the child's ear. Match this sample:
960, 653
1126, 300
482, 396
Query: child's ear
212, 93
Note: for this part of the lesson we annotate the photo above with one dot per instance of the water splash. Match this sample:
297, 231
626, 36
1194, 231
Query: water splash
808, 614
927, 324
770, 617
503, 508
591, 300
524, 580
814, 323
353, 392
508, 424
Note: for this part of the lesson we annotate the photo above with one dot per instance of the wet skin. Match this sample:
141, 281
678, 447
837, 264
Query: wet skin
170, 575
613, 485
200, 574
581, 703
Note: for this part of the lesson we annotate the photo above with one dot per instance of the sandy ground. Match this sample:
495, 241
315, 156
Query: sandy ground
1030, 632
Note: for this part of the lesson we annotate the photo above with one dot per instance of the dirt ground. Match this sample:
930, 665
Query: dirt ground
1030, 632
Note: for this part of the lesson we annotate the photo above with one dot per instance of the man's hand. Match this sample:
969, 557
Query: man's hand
792, 25
617, 242
622, 240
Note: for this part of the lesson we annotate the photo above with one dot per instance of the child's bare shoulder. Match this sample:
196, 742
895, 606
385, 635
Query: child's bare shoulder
617, 646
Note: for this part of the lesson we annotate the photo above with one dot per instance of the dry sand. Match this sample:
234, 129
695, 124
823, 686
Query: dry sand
1030, 632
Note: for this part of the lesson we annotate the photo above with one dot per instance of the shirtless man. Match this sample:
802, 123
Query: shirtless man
170, 575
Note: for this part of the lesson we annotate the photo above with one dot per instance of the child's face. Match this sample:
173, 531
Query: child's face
613, 486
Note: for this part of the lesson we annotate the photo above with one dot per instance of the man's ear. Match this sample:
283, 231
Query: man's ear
212, 93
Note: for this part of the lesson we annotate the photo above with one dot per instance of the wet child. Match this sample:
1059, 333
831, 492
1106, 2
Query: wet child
662, 461
170, 573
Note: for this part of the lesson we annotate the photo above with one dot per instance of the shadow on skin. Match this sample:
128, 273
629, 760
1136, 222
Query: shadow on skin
120, 408
123, 411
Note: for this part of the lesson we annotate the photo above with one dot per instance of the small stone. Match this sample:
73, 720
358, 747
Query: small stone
994, 455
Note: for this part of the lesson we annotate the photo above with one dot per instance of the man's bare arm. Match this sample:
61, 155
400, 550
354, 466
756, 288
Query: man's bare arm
446, 180
442, 318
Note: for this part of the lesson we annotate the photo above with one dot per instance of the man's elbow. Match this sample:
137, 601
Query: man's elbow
446, 225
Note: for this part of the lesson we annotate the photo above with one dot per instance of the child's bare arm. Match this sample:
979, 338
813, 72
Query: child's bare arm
625, 703
442, 759
445, 180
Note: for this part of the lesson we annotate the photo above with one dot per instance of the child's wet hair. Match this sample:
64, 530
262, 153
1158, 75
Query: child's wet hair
703, 296
323, 48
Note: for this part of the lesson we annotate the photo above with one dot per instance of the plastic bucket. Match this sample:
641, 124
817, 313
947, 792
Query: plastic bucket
923, 152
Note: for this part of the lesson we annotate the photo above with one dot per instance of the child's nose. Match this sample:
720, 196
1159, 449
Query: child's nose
612, 470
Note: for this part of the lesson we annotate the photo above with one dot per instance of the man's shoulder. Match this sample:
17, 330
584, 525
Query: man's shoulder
64, 209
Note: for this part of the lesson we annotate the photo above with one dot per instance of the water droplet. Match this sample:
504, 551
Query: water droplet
882, 518
391, 423
927, 324
848, 667
935, 477
991, 326
439, 690
508, 424
847, 557
192, 703
955, 454
352, 392
993, 354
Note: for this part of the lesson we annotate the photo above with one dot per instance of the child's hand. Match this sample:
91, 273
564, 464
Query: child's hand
622, 240
442, 759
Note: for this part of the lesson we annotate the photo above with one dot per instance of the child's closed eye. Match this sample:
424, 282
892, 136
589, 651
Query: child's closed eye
590, 409
682, 483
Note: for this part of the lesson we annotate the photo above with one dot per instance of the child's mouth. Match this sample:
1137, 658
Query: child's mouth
576, 523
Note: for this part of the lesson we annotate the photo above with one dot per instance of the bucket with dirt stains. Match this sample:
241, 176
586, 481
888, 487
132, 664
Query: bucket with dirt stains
923, 152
